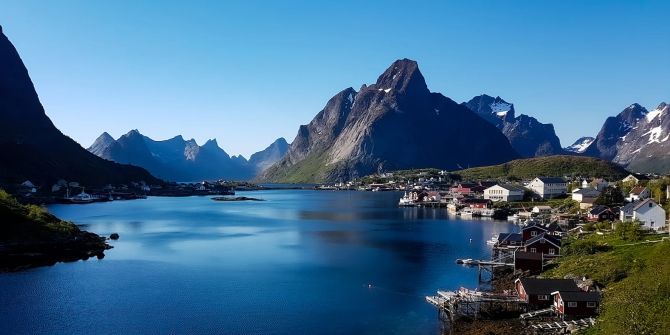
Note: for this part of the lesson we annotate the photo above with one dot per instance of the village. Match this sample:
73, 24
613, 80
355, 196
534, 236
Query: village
73, 192
549, 211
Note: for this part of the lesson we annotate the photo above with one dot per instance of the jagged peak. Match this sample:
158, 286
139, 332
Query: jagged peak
105, 136
402, 76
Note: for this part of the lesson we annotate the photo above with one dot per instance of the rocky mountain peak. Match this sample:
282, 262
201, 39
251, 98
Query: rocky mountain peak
402, 77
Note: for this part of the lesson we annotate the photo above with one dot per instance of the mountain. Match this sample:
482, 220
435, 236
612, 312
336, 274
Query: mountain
396, 123
33, 148
527, 135
173, 159
262, 160
636, 138
611, 135
559, 165
580, 145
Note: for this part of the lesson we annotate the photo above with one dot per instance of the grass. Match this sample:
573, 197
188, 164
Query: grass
29, 222
310, 170
546, 166
636, 277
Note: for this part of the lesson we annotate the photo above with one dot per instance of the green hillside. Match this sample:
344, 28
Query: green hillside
547, 166
31, 236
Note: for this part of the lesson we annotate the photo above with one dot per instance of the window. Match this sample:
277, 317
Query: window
533, 250
533, 233
572, 304
551, 251
542, 241
542, 297
591, 304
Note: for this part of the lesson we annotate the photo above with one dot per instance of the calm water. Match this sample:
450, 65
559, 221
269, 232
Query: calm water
298, 263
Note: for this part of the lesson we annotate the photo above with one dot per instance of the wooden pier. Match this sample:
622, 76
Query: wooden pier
453, 305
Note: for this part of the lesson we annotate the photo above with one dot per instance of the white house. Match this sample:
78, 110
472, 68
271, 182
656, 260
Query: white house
649, 213
586, 195
504, 192
638, 193
634, 178
548, 187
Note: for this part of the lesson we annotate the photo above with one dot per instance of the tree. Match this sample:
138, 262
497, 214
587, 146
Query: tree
628, 230
610, 196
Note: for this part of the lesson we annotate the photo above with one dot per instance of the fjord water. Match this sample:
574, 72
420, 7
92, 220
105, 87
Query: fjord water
301, 262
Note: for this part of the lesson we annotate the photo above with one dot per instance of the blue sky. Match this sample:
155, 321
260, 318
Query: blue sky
249, 72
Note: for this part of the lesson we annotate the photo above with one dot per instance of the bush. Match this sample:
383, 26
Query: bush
628, 230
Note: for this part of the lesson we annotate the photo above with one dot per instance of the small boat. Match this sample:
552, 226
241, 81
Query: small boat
493, 240
514, 217
465, 261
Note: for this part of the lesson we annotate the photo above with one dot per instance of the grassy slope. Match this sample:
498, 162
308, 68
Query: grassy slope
636, 298
30, 236
310, 170
547, 166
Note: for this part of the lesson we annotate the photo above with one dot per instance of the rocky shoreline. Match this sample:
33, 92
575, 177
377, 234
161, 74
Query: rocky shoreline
83, 245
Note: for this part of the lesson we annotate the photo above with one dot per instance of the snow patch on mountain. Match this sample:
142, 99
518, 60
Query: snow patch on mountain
580, 145
500, 108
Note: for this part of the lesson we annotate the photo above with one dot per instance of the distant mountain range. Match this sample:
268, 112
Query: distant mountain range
177, 159
636, 138
32, 148
527, 135
395, 123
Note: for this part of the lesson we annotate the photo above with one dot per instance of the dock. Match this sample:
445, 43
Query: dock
473, 304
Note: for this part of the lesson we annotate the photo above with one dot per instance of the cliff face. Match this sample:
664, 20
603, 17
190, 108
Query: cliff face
528, 136
32, 147
396, 123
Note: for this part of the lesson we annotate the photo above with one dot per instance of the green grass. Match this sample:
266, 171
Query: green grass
29, 222
546, 166
636, 298
312, 169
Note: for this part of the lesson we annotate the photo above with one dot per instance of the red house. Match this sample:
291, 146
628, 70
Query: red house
601, 213
464, 188
575, 305
534, 229
547, 245
477, 203
537, 292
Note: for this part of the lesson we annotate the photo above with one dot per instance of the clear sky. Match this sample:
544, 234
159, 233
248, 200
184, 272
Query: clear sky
249, 72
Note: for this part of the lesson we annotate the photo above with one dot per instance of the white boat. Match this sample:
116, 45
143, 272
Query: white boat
493, 240
514, 217
405, 201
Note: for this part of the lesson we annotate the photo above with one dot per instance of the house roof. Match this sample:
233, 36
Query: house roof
629, 207
511, 187
551, 180
637, 190
556, 242
547, 286
551, 227
487, 183
597, 210
587, 191
511, 237
578, 295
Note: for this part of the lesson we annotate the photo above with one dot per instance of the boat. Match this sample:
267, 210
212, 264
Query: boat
81, 198
493, 240
405, 201
465, 261
514, 217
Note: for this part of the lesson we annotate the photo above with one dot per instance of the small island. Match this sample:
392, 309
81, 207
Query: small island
30, 236
236, 199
